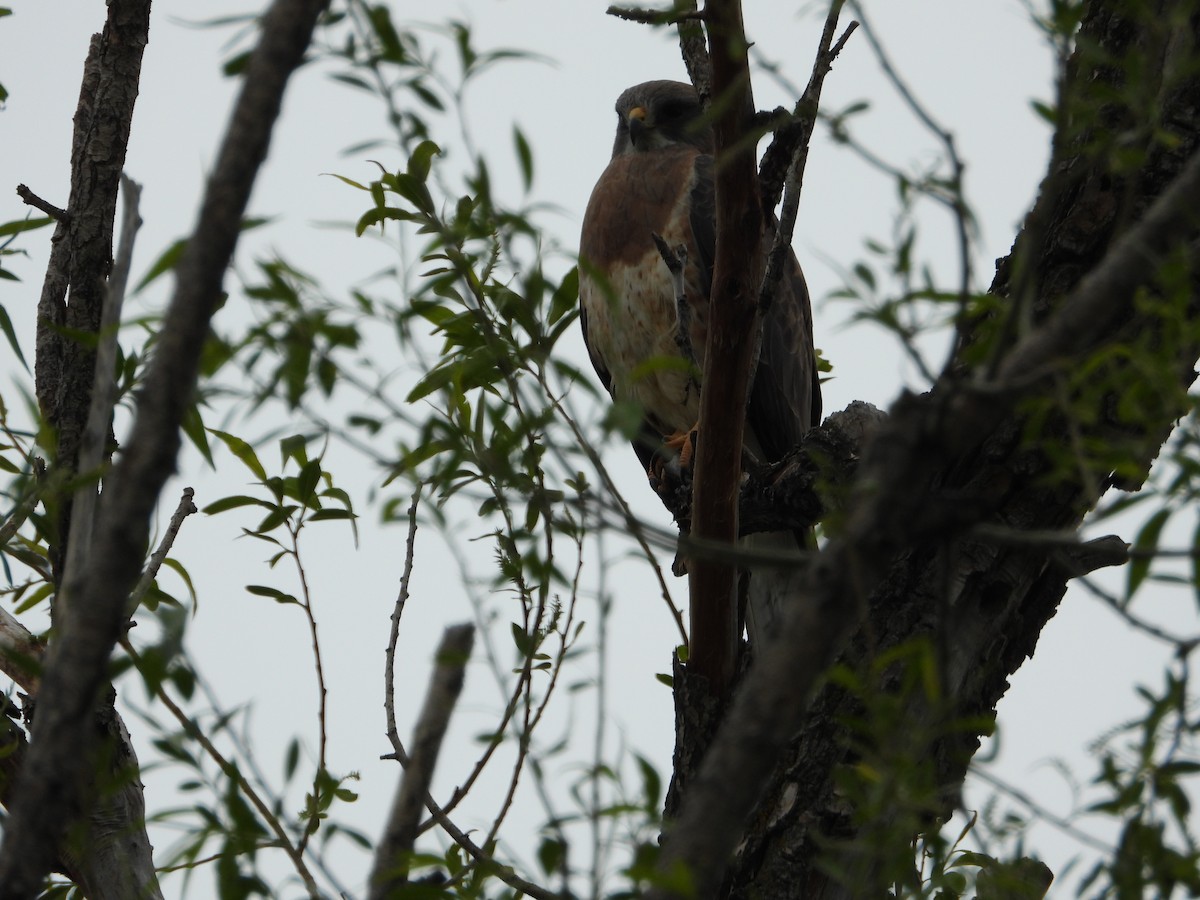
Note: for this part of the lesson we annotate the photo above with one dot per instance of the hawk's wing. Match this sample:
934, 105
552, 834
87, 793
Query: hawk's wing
785, 396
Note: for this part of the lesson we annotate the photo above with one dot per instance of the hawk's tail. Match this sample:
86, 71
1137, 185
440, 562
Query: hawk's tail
770, 587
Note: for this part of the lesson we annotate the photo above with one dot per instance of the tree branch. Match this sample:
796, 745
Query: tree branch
32, 199
728, 360
390, 870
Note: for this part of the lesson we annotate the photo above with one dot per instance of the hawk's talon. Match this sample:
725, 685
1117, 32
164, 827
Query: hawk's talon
683, 443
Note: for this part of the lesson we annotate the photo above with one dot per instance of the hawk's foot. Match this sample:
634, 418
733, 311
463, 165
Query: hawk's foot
684, 444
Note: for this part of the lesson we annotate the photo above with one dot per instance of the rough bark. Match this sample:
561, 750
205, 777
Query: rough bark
108, 852
53, 786
908, 564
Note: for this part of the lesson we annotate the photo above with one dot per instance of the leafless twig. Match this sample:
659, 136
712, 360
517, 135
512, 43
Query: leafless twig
958, 207
1062, 824
185, 508
806, 115
390, 869
32, 199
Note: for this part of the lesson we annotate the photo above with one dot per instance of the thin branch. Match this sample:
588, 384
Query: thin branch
32, 199
185, 508
390, 870
806, 111
1062, 824
501, 871
389, 669
694, 49
789, 148
732, 344
1146, 627
322, 691
957, 168
646, 16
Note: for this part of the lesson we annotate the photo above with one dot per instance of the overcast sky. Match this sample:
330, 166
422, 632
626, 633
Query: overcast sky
976, 66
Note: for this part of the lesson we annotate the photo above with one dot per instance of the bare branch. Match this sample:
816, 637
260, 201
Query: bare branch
728, 360
788, 150
389, 674
20, 652
654, 16
390, 870
185, 508
32, 199
806, 114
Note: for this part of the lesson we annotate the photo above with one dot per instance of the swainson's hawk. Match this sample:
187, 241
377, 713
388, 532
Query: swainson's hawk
660, 181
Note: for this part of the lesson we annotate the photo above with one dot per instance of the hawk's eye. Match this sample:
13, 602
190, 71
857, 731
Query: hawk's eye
672, 111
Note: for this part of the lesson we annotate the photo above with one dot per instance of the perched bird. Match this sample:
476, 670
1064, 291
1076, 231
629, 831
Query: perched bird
647, 348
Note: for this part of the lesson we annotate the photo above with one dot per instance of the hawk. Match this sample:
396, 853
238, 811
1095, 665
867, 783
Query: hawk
648, 349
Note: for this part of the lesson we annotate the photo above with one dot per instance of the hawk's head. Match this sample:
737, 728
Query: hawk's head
657, 114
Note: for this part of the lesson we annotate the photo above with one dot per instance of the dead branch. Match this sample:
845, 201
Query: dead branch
32, 199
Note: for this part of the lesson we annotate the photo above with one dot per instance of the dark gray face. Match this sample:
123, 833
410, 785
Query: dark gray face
657, 114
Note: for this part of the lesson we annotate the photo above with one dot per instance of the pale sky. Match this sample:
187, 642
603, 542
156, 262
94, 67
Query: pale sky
975, 65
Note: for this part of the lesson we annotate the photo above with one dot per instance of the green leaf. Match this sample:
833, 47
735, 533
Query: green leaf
20, 225
277, 595
422, 159
551, 853
165, 263
177, 567
242, 451
1146, 543
381, 214
524, 157
326, 514
237, 64
193, 427
565, 298
349, 181
307, 481
6, 326
233, 502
